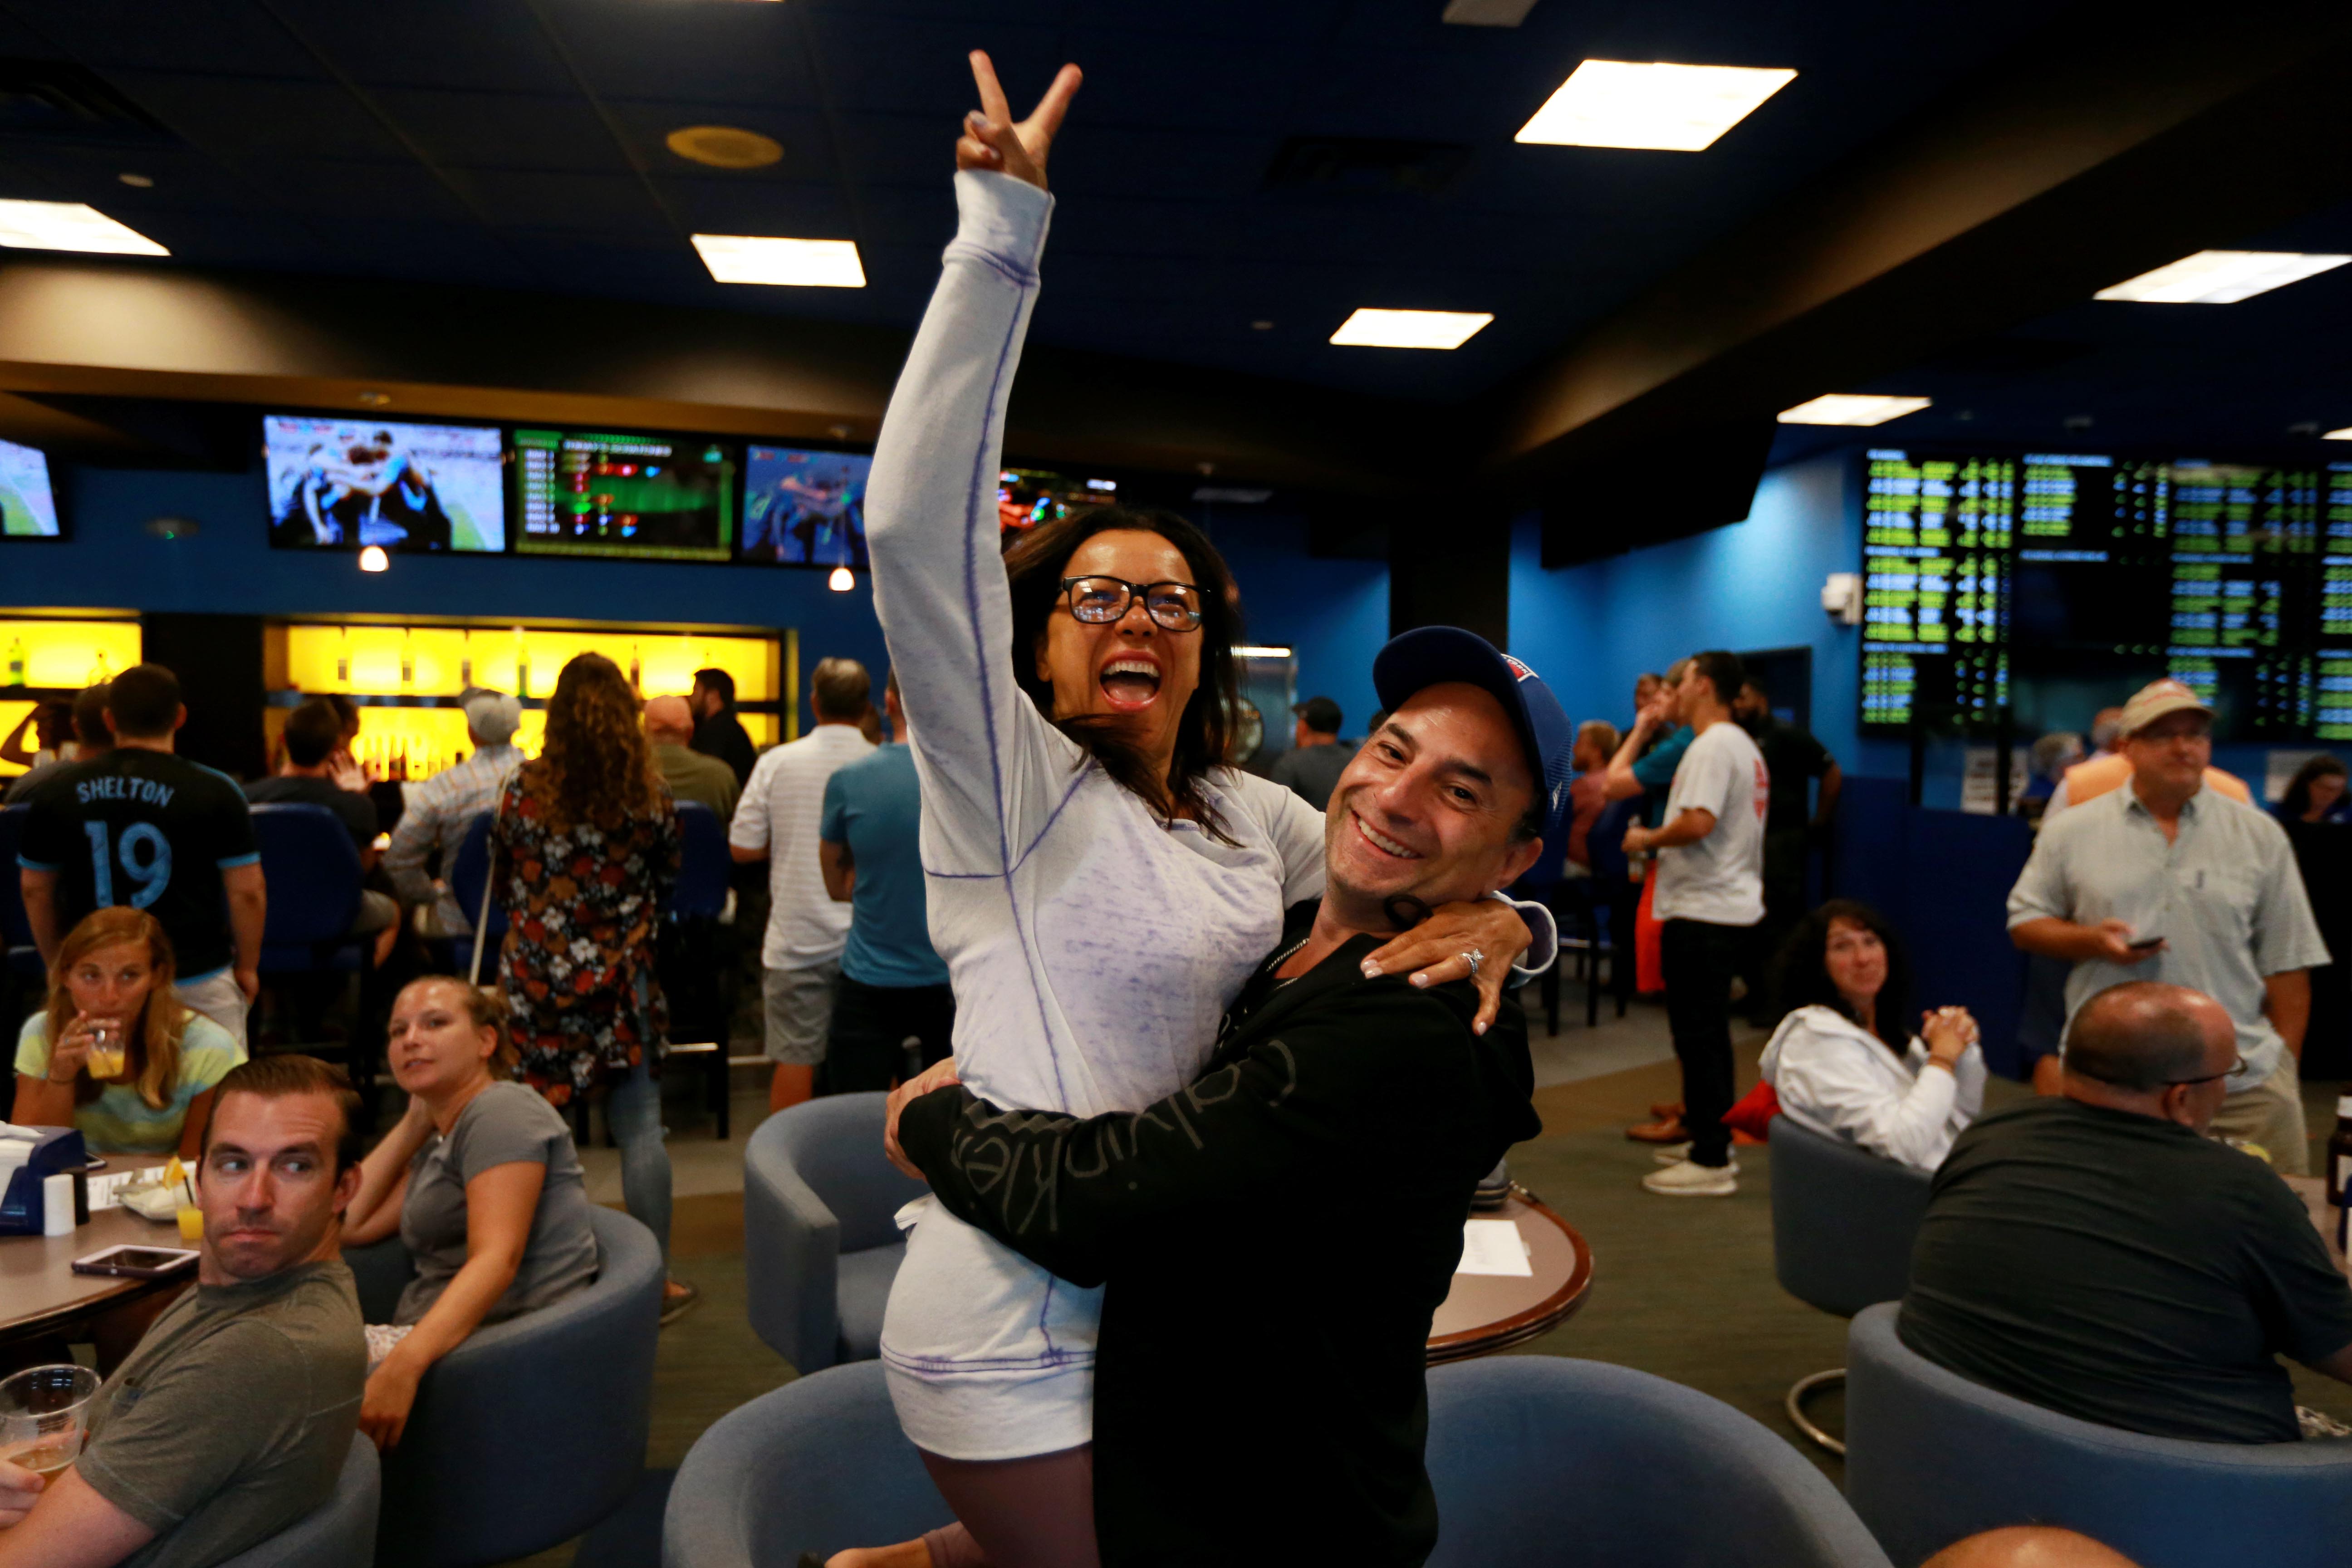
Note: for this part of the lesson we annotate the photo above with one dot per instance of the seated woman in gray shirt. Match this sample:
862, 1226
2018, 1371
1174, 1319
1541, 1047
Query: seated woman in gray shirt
482, 1184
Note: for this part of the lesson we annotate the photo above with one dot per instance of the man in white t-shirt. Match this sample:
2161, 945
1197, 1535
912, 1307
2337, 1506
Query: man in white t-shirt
778, 821
1710, 876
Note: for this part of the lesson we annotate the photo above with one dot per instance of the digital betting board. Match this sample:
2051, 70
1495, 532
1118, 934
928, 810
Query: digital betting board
2055, 584
651, 498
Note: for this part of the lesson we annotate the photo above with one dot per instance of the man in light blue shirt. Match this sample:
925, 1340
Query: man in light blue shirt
894, 988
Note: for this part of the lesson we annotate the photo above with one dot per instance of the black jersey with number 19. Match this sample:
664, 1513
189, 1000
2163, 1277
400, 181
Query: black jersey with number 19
148, 829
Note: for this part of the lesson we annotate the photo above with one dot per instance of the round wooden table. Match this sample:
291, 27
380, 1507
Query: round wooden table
39, 1291
1486, 1313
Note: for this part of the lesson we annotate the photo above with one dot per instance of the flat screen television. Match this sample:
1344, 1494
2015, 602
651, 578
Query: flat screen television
645, 498
342, 483
28, 505
804, 508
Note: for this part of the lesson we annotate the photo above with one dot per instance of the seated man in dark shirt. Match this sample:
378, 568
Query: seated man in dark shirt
1258, 1379
2096, 1254
313, 732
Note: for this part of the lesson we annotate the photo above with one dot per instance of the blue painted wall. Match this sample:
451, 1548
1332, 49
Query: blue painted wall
1334, 614
1592, 630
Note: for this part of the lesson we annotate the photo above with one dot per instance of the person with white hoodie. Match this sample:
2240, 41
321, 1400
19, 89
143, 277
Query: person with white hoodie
1842, 1063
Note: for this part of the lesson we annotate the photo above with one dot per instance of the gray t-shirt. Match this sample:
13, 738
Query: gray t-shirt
233, 1416
505, 1123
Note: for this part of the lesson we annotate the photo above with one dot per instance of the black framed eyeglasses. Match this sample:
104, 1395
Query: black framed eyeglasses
1100, 601
2237, 1066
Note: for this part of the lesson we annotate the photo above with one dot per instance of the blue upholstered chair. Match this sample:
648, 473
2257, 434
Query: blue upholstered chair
818, 1465
698, 966
24, 959
820, 1246
312, 870
1541, 1461
1537, 1460
339, 1533
1937, 1457
1842, 1223
534, 1428
468, 878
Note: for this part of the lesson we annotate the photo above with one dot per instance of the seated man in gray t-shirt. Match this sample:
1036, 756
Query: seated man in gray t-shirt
233, 1416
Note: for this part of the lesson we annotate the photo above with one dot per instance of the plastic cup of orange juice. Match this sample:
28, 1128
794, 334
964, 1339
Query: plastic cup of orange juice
192, 1224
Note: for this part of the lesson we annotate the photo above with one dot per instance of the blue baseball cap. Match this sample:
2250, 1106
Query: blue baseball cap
1433, 656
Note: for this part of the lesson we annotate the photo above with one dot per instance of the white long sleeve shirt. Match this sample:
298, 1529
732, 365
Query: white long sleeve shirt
1093, 946
1842, 1081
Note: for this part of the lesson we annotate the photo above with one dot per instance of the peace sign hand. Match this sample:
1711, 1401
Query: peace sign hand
992, 140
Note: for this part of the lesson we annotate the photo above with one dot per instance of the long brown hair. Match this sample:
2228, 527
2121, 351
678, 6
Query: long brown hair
595, 765
1036, 566
151, 1043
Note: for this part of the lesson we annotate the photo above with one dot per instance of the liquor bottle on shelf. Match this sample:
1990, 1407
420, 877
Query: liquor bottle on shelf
522, 665
98, 674
344, 661
16, 661
635, 683
407, 664
466, 662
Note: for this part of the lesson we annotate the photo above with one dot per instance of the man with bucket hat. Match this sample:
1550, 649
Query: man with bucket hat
2169, 879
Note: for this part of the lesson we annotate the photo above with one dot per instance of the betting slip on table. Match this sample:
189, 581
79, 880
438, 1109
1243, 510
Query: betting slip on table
1497, 1306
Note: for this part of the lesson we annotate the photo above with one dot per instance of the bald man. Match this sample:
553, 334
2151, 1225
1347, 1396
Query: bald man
2096, 1254
2029, 1546
670, 725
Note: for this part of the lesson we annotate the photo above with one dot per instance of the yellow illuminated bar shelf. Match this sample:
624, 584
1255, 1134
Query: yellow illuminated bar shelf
406, 675
47, 656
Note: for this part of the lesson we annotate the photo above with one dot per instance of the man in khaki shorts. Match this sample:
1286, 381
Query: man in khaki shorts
2169, 879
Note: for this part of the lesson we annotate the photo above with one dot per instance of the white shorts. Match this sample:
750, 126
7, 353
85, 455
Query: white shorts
987, 1356
218, 997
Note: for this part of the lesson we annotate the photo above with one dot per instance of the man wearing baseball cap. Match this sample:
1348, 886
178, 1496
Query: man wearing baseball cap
2171, 881
1311, 767
436, 812
1224, 1316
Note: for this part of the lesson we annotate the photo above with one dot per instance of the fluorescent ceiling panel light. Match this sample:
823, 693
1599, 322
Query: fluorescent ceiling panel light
1410, 329
2221, 276
797, 263
2343, 434
1486, 13
1852, 408
1671, 108
70, 226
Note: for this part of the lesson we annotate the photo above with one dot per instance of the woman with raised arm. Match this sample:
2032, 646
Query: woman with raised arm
1100, 884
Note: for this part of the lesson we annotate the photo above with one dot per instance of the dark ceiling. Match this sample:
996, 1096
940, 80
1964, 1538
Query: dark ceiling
518, 144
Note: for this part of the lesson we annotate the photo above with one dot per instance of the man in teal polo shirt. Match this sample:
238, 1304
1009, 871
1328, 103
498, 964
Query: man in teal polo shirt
894, 988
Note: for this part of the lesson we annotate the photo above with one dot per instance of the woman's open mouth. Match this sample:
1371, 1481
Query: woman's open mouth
1130, 684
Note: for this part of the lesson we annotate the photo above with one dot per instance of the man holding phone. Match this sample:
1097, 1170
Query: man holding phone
2169, 879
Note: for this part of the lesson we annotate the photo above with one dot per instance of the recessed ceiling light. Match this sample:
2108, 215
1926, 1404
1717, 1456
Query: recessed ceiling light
798, 263
2221, 276
1852, 408
724, 146
1410, 329
2343, 434
1261, 326
137, 182
70, 226
1674, 109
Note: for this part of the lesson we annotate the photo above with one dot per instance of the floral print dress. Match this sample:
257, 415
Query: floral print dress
583, 906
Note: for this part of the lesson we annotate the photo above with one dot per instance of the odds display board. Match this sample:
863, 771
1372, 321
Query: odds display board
2057, 584
655, 498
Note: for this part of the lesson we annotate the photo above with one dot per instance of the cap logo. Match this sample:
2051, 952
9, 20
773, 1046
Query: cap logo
1518, 670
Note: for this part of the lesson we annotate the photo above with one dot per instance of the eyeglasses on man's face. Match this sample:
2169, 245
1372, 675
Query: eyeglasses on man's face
1100, 601
2237, 1065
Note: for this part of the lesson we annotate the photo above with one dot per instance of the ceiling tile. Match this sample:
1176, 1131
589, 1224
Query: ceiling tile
233, 37
495, 44
504, 130
233, 115
616, 206
694, 51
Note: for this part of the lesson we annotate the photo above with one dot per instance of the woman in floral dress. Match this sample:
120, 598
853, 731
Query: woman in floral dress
587, 847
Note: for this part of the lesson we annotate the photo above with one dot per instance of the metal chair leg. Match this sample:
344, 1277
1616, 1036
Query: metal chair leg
1795, 1404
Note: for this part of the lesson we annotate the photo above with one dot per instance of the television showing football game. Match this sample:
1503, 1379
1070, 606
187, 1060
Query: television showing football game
654, 497
339, 483
804, 508
28, 507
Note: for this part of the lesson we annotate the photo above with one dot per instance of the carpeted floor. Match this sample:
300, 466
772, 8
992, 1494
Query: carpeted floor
1682, 1287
